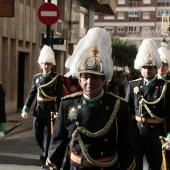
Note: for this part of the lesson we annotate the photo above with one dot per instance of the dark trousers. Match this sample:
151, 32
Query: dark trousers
42, 133
153, 155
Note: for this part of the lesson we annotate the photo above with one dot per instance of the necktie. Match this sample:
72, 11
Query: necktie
162, 77
148, 83
91, 103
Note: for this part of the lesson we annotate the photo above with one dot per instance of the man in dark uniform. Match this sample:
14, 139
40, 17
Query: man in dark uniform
148, 99
163, 74
95, 124
2, 112
165, 58
47, 88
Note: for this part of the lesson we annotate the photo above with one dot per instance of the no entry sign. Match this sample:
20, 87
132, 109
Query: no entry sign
48, 13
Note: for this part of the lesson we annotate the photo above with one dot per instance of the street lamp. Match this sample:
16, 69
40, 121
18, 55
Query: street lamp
164, 28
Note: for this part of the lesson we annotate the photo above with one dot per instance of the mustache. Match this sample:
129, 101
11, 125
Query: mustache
93, 91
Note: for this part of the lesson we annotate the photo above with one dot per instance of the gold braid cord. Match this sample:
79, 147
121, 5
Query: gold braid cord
47, 85
144, 103
76, 136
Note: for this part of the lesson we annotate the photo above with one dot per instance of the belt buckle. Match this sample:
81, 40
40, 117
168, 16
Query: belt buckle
143, 119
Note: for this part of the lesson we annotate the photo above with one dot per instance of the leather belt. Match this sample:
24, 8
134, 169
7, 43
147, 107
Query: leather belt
147, 120
82, 161
41, 99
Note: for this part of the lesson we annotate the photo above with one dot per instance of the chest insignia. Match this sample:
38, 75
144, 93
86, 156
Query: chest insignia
72, 114
37, 80
136, 90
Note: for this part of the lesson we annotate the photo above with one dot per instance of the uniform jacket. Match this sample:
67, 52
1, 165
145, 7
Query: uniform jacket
2, 105
43, 109
136, 90
167, 76
93, 119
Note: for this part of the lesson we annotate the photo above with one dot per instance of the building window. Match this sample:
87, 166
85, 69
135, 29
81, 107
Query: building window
110, 30
146, 1
52, 1
121, 2
160, 11
133, 29
120, 29
163, 0
146, 15
145, 29
111, 17
134, 14
121, 15
158, 28
96, 17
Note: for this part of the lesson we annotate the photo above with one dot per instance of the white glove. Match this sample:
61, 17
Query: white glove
2, 134
167, 144
24, 114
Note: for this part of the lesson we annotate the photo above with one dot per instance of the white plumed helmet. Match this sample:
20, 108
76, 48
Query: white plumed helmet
46, 55
92, 55
147, 55
164, 55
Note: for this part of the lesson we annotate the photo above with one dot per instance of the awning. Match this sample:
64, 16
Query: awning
103, 6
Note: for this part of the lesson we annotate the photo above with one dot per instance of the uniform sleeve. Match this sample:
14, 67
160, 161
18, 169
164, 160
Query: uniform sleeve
167, 108
125, 138
130, 99
31, 95
59, 142
59, 88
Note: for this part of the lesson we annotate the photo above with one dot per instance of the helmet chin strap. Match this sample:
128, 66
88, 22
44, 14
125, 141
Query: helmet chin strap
93, 91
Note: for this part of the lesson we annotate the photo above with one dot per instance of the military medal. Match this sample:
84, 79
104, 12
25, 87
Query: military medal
136, 90
37, 80
72, 114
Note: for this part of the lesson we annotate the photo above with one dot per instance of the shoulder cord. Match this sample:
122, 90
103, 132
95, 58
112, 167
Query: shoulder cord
46, 85
76, 136
143, 102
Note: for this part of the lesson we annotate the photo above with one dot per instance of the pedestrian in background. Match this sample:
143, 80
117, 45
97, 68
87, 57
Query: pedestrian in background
148, 99
2, 112
70, 85
116, 86
95, 124
47, 89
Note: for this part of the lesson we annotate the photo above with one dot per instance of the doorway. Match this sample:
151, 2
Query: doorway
21, 66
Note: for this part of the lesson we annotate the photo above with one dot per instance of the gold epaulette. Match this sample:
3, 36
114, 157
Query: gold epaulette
121, 98
135, 80
167, 81
37, 74
72, 95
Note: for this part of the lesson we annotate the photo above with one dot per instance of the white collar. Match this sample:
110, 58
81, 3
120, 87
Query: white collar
95, 98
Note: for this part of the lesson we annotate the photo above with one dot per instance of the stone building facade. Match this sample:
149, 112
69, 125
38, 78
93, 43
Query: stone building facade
21, 41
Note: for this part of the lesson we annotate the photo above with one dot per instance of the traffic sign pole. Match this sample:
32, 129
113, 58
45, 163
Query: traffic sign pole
48, 31
48, 14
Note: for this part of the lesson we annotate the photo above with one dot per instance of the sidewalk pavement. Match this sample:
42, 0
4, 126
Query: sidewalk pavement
18, 149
